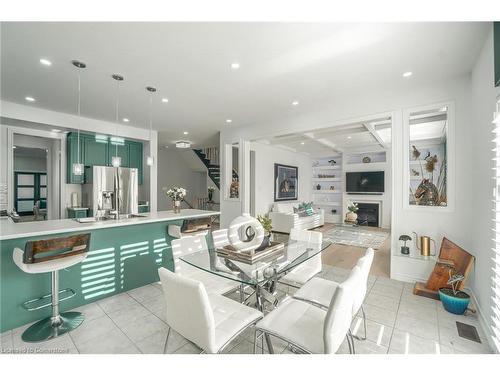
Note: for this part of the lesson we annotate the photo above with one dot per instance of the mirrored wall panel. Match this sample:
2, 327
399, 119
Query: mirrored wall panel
428, 166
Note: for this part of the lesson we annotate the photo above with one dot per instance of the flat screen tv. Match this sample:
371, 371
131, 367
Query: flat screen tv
365, 182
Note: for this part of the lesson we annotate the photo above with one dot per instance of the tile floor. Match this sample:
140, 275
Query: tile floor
398, 322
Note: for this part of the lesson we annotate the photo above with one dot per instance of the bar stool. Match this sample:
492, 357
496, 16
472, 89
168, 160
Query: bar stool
51, 256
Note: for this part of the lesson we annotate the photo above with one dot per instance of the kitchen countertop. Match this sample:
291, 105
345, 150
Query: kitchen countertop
10, 230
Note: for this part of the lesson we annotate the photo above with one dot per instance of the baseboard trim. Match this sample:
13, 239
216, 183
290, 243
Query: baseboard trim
482, 321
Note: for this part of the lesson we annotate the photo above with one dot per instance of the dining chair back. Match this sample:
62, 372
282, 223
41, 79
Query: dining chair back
188, 309
304, 272
339, 316
220, 238
186, 245
364, 263
310, 236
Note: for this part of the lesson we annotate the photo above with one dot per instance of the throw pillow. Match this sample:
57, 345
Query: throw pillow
300, 211
307, 207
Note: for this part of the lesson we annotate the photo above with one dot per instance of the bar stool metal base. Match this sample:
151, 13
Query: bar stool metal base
44, 329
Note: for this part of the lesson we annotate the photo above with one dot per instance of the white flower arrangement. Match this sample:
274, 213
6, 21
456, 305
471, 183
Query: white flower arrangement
175, 193
353, 207
211, 188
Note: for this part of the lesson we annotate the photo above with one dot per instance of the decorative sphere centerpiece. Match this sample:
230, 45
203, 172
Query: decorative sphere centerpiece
239, 233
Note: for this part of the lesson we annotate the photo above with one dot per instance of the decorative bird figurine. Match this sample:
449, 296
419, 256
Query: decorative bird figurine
416, 153
332, 162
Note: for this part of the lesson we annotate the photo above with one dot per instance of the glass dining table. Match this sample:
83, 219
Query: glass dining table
262, 276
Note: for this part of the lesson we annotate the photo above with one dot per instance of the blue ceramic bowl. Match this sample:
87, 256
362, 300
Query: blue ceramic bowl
454, 304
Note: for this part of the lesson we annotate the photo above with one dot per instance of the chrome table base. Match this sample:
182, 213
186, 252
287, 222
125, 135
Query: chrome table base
51, 327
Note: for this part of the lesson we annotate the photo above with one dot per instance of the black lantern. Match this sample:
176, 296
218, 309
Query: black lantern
405, 249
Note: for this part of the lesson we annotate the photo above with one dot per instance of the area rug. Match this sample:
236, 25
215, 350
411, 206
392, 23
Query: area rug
355, 236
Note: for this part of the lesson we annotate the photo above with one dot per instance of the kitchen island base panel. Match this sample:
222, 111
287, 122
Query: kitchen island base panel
120, 259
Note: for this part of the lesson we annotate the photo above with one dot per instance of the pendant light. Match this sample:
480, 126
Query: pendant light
77, 167
116, 160
150, 160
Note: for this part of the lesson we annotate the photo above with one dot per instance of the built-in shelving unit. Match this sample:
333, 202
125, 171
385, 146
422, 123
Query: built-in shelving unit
327, 186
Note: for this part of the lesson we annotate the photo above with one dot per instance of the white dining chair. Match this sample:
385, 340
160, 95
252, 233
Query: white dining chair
302, 273
209, 321
319, 291
220, 238
311, 329
213, 283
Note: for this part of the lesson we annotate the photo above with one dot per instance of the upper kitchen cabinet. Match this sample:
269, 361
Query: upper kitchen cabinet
98, 150
95, 150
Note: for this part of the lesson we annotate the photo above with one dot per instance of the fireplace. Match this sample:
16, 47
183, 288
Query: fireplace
368, 214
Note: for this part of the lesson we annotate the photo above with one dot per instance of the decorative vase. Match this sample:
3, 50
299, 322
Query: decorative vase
455, 304
318, 187
351, 217
405, 250
210, 196
176, 206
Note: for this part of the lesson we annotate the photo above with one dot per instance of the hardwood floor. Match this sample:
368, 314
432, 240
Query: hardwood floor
347, 256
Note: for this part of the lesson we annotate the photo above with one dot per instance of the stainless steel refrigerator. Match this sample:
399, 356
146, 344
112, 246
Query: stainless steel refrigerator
107, 189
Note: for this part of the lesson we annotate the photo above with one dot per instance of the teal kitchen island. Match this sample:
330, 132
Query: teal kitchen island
124, 254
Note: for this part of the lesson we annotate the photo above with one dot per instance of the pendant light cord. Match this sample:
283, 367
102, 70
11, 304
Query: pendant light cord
116, 115
150, 116
79, 115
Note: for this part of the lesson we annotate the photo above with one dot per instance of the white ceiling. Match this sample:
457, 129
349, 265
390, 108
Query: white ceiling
189, 63
349, 138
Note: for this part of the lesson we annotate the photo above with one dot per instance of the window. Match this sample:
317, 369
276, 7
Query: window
496, 231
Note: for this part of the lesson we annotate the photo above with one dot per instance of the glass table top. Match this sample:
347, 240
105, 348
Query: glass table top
294, 253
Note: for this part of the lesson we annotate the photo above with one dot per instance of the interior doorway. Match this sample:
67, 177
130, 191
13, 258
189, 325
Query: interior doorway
36, 183
344, 167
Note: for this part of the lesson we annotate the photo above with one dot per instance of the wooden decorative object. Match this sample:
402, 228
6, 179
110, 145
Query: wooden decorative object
196, 225
56, 248
450, 256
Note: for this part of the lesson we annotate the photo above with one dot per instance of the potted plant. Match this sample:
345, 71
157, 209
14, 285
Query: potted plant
266, 223
454, 300
352, 216
211, 190
176, 194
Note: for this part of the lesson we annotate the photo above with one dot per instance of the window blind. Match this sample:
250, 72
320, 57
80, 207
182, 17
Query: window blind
496, 229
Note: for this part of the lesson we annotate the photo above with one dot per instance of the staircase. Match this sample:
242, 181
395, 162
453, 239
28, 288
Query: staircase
212, 169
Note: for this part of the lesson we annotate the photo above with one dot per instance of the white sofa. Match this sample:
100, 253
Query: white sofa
284, 219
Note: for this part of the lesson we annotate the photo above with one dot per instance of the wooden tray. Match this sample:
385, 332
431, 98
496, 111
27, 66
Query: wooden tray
274, 251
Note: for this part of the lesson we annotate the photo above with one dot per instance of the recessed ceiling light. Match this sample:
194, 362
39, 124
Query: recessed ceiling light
186, 133
126, 120
295, 102
30, 99
407, 74
165, 100
45, 62
302, 143
55, 130
235, 66
229, 121
349, 137
166, 146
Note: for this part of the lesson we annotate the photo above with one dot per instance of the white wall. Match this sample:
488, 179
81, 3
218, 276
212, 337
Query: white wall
484, 96
174, 171
265, 157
